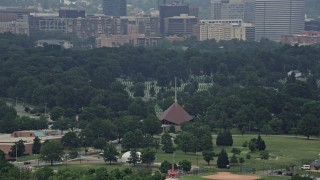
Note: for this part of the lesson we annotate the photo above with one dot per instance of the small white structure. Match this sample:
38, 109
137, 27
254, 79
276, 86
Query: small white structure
297, 73
125, 157
63, 43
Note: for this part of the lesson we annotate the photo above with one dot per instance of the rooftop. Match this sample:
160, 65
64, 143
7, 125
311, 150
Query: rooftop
8, 139
175, 114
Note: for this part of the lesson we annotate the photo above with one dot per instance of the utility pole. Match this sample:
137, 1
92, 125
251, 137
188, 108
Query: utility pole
16, 152
45, 109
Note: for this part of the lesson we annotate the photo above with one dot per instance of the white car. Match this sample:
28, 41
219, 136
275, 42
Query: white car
306, 167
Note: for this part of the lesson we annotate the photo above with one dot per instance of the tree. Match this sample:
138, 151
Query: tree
151, 125
185, 165
203, 138
223, 160
167, 145
128, 141
186, 142
234, 159
110, 153
138, 90
309, 125
2, 156
253, 144
134, 157
148, 156
56, 113
264, 154
166, 165
138, 107
73, 154
61, 124
51, 151
266, 129
224, 138
236, 151
260, 144
36, 145
276, 124
20, 149
241, 160
132, 140
208, 156
152, 91
71, 140
147, 141
99, 143
44, 173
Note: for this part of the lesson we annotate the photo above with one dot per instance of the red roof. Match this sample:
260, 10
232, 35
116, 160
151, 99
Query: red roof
175, 114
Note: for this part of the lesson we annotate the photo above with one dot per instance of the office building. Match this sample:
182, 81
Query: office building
115, 7
170, 10
274, 18
146, 25
180, 25
312, 25
15, 21
71, 13
302, 39
224, 30
233, 9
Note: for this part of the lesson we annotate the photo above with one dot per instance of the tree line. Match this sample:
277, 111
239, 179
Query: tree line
251, 89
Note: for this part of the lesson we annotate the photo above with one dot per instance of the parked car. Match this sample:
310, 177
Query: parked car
26, 162
305, 167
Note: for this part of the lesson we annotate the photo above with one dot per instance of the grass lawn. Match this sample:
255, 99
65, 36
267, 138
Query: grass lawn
199, 177
87, 166
284, 151
28, 158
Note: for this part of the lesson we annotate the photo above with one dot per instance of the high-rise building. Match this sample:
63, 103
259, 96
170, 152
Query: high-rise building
115, 7
233, 9
313, 25
170, 10
71, 13
274, 18
224, 30
180, 25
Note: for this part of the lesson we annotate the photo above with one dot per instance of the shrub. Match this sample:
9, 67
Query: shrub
224, 138
245, 144
165, 166
185, 165
236, 151
241, 160
248, 156
234, 159
264, 154
223, 160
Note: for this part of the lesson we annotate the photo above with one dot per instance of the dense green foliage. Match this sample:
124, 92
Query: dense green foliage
9, 121
250, 86
208, 156
223, 159
166, 165
167, 145
148, 156
110, 153
36, 146
185, 165
257, 144
224, 138
51, 151
17, 149
70, 140
8, 171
